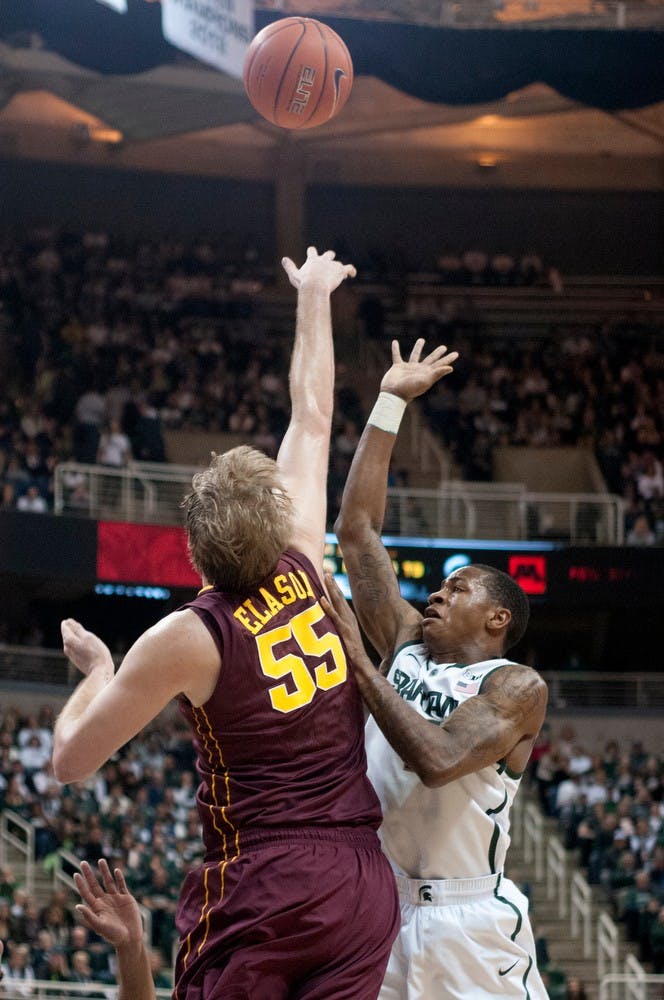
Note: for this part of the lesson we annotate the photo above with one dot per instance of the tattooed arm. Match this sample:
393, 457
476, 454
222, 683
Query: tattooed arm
499, 724
387, 619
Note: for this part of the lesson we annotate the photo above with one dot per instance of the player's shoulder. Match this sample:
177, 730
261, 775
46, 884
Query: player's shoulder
178, 629
517, 681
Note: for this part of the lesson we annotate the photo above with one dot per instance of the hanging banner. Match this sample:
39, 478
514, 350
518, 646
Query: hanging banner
215, 31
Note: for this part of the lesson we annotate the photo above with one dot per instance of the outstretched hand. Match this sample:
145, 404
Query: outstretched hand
83, 648
337, 608
108, 908
322, 271
413, 377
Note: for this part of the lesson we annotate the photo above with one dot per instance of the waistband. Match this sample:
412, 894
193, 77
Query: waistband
445, 891
352, 836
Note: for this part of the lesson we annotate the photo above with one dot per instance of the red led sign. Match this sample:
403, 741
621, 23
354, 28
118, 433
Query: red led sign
529, 572
144, 553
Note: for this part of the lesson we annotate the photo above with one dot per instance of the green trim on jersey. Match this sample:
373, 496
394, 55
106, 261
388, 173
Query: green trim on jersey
512, 906
503, 768
525, 976
404, 645
492, 812
514, 774
492, 671
495, 836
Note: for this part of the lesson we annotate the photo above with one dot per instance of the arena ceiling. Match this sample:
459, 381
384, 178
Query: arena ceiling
432, 103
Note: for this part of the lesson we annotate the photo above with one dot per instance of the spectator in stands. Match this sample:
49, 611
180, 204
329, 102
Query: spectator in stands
32, 501
17, 967
158, 970
81, 972
56, 919
657, 943
90, 414
641, 532
635, 905
114, 446
53, 967
575, 989
34, 755
4, 917
146, 439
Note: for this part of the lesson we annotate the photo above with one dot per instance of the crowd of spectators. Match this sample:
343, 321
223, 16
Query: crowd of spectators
604, 392
105, 346
138, 811
502, 269
610, 810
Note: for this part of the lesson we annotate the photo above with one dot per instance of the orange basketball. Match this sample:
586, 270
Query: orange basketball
297, 73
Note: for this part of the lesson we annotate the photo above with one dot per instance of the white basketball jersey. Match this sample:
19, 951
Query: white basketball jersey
460, 830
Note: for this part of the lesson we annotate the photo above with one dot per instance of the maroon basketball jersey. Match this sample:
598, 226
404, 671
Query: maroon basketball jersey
281, 741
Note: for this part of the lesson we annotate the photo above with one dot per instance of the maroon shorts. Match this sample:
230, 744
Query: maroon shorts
299, 914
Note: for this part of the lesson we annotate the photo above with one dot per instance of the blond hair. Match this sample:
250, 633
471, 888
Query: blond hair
238, 519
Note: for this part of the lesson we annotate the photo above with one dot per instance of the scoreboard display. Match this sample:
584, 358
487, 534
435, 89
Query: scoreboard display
67, 556
547, 572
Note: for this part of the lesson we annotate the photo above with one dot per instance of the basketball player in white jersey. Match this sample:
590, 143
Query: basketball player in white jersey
452, 726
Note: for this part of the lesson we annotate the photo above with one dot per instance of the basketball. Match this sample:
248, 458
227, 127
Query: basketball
297, 73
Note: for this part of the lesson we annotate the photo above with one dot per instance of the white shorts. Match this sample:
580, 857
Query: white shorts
462, 939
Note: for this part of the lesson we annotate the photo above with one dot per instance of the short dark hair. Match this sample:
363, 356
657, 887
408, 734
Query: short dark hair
506, 591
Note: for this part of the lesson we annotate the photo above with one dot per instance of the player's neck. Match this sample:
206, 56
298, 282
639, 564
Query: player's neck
467, 654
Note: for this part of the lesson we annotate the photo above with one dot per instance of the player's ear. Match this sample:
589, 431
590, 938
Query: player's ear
499, 619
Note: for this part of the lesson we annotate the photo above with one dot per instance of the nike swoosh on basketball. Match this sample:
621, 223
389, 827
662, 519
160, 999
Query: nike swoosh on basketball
503, 972
337, 78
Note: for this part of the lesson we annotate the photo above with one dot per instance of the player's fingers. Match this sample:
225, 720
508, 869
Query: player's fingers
288, 266
329, 255
120, 881
91, 880
396, 352
312, 252
417, 349
437, 352
447, 359
337, 599
106, 877
82, 889
350, 271
86, 916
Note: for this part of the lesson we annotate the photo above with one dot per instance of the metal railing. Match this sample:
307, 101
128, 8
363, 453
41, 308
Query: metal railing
556, 874
550, 864
504, 511
581, 911
19, 836
33, 665
533, 839
607, 946
152, 493
17, 989
624, 691
142, 492
632, 984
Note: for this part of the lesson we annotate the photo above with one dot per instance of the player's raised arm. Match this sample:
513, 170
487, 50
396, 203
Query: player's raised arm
386, 618
303, 455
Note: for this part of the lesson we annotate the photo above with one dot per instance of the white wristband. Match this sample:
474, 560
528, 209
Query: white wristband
387, 412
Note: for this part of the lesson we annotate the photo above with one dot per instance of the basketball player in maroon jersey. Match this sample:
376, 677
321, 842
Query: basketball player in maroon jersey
294, 898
